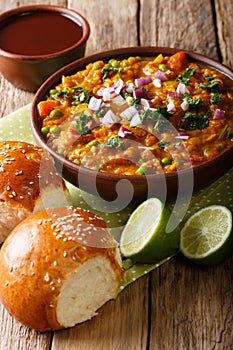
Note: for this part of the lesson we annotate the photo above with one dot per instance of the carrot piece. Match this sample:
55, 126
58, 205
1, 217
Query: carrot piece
45, 107
177, 61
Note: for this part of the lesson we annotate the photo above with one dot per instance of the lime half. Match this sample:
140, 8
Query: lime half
207, 237
145, 238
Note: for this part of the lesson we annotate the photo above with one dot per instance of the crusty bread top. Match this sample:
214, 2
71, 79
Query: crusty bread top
25, 169
42, 252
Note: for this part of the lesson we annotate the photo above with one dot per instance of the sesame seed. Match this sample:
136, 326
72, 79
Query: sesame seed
8, 188
55, 263
6, 284
14, 193
21, 197
59, 280
11, 196
31, 182
65, 254
46, 277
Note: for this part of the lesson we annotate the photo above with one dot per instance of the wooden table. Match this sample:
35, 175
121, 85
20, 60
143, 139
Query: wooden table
177, 306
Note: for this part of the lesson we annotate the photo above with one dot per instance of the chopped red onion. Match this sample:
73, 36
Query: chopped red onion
119, 100
118, 85
129, 112
136, 120
160, 75
184, 137
94, 103
100, 91
157, 83
174, 94
109, 93
143, 81
146, 103
129, 88
219, 114
139, 93
182, 133
124, 132
184, 105
171, 106
110, 118
182, 89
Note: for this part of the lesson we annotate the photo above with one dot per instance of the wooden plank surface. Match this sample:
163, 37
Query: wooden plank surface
178, 306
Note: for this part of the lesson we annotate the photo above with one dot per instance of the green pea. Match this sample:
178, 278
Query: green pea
95, 168
166, 161
93, 143
142, 170
114, 63
53, 92
162, 66
44, 131
54, 129
96, 67
77, 162
124, 63
55, 113
60, 152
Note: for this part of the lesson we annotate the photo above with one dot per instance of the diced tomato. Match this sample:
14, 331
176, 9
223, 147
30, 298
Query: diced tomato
178, 61
45, 107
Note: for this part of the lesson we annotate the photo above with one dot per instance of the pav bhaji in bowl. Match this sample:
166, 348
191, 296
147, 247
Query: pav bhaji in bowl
138, 122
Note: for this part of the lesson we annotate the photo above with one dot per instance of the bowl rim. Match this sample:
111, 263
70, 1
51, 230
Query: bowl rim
55, 78
74, 16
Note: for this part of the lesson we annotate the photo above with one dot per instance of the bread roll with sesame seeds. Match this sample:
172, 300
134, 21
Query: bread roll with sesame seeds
58, 267
29, 182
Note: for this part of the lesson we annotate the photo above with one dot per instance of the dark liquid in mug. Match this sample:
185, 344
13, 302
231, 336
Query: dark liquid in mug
39, 34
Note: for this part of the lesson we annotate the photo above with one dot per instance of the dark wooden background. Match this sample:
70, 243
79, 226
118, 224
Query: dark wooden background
178, 306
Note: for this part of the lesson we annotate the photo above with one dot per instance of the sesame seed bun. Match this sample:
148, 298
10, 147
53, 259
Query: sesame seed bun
58, 267
29, 182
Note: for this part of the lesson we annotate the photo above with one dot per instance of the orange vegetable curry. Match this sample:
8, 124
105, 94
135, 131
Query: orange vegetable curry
141, 115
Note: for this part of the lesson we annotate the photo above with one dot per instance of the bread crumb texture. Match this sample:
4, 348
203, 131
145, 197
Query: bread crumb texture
58, 267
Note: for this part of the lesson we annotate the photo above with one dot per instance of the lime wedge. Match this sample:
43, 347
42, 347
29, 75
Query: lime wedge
145, 237
207, 236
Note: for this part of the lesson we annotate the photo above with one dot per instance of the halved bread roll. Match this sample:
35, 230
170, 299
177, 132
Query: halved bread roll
29, 182
58, 267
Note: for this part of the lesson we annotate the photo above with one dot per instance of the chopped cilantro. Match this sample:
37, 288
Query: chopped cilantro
107, 70
194, 103
62, 94
185, 77
100, 113
215, 98
195, 121
81, 123
115, 142
229, 134
160, 116
210, 77
213, 85
163, 144
80, 94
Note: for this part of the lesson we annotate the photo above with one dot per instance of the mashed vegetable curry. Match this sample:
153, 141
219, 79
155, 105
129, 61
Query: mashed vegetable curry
141, 115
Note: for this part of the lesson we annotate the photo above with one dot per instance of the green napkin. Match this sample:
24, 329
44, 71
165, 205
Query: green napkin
16, 126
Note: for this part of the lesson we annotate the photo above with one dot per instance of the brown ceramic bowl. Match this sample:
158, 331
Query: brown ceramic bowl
111, 186
37, 40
